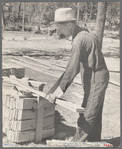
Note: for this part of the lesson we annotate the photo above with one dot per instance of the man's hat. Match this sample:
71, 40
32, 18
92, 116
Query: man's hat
64, 15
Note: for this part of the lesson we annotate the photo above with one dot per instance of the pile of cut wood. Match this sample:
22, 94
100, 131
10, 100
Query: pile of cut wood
22, 119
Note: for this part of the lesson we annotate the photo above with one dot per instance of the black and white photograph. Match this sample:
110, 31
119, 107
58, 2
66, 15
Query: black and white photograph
60, 74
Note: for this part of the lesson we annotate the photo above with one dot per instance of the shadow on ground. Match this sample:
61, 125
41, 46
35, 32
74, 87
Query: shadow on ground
61, 127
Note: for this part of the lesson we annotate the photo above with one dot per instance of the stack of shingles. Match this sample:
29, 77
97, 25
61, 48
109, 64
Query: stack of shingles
20, 116
7, 69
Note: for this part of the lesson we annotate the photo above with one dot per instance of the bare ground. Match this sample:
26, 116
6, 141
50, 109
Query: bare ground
58, 51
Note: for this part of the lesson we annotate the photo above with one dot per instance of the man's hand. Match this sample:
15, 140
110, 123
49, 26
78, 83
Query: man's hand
57, 94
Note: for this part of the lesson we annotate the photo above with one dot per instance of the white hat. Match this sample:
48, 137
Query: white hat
64, 15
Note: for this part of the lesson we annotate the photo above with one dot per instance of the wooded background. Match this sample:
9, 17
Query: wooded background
20, 14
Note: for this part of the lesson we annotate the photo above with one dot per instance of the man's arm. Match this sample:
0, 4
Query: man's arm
72, 69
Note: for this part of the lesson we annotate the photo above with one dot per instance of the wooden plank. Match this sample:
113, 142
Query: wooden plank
8, 100
65, 104
48, 121
49, 110
6, 123
70, 106
19, 137
14, 104
39, 123
48, 133
24, 125
26, 103
4, 130
26, 114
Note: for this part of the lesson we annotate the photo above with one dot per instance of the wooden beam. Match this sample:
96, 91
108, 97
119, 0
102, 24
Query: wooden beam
65, 104
39, 123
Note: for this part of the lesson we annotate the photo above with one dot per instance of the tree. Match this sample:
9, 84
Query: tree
100, 23
23, 23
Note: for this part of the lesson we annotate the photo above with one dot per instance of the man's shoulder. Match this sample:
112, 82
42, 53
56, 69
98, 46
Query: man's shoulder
84, 36
81, 37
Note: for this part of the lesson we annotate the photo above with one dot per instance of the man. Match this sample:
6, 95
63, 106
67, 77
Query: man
86, 58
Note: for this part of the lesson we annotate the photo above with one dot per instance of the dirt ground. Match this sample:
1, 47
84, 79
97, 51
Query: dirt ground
52, 50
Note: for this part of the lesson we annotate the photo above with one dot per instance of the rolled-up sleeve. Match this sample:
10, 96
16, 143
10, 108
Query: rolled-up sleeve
72, 69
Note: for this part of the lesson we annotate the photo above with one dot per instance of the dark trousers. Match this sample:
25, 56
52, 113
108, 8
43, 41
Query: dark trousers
90, 123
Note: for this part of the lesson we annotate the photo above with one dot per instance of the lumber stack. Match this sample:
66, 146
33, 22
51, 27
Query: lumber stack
20, 116
9, 69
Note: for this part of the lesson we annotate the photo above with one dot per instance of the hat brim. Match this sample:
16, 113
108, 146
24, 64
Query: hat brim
55, 22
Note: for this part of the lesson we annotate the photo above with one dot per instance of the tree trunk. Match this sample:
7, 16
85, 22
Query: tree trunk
18, 15
78, 14
100, 23
91, 11
23, 19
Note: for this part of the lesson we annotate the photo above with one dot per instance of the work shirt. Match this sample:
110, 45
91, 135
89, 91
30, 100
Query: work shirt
86, 58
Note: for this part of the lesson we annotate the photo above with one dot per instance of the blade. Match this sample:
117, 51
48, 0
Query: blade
55, 86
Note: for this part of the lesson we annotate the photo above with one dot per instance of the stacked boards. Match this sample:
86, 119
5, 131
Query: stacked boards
20, 116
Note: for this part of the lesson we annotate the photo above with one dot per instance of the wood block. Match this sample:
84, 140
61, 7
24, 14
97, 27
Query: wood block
48, 133
9, 135
13, 114
16, 114
3, 99
24, 125
4, 130
26, 103
6, 123
8, 100
19, 72
11, 102
48, 121
4, 109
14, 104
19, 137
25, 114
10, 113
49, 110
39, 124
7, 112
